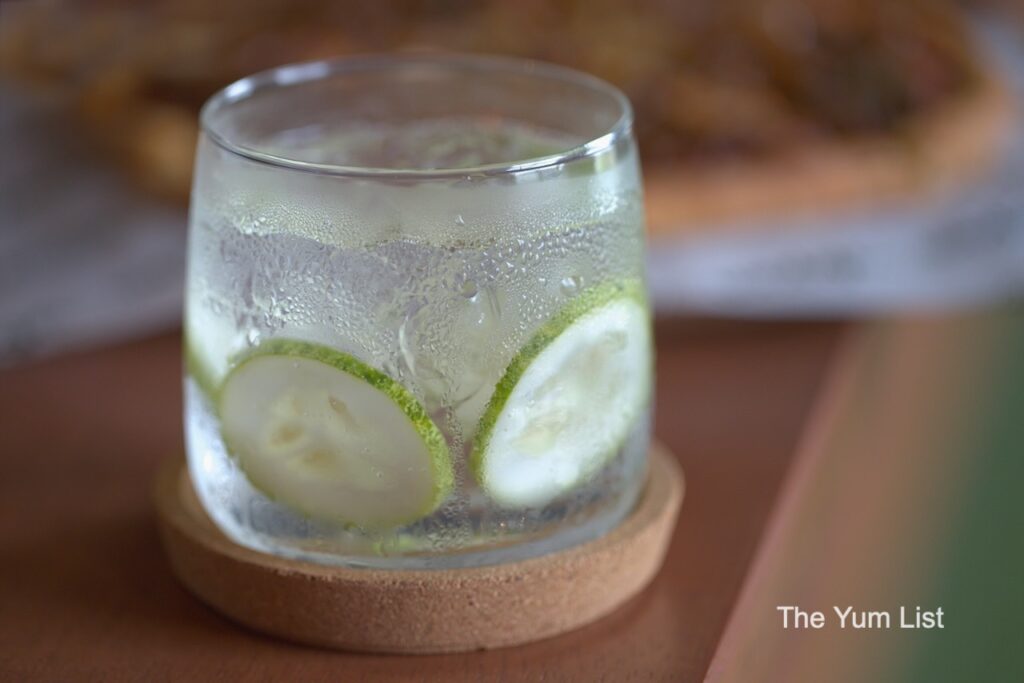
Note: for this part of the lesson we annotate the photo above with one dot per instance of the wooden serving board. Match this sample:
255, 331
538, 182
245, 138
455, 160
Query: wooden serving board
940, 149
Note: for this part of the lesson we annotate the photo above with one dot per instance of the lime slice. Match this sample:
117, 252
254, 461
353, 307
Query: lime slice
568, 399
322, 432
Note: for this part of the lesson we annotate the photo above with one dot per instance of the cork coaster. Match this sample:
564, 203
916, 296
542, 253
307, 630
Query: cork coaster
418, 611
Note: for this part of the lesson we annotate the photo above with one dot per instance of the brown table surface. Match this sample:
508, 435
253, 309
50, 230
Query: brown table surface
85, 592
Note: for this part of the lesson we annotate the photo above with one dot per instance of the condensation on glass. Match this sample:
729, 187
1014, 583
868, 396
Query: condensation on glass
417, 333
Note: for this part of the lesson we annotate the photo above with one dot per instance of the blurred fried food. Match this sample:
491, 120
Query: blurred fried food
711, 81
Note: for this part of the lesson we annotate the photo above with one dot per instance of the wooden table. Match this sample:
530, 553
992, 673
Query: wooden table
85, 592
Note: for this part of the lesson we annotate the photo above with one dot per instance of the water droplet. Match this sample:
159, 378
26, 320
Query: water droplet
571, 285
252, 337
469, 289
459, 220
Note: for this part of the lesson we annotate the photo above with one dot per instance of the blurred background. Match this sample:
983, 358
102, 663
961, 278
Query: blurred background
803, 157
853, 161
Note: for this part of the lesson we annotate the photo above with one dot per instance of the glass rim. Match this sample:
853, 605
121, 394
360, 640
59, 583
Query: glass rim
309, 72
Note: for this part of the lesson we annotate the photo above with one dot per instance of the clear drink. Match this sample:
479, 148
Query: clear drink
416, 326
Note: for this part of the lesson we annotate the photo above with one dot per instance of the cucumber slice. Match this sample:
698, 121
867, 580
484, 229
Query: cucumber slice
319, 431
568, 399
209, 339
200, 366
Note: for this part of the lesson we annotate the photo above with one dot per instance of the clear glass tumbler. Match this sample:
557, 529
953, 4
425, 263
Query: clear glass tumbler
416, 326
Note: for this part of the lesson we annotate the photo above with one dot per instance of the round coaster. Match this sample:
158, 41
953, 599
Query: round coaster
418, 611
